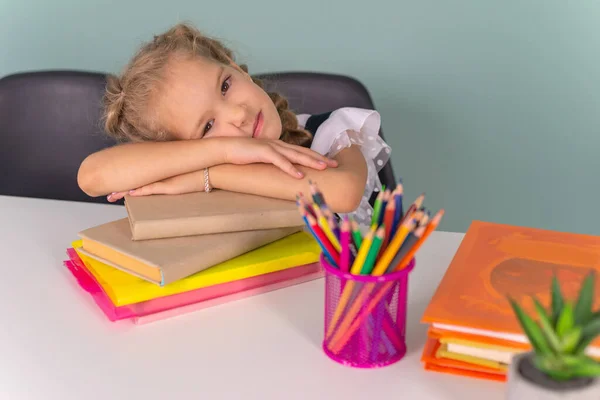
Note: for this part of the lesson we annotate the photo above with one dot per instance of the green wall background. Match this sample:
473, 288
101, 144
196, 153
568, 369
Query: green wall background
490, 107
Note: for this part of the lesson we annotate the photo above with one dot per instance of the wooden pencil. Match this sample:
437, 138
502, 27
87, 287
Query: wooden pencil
362, 253
322, 221
388, 222
356, 235
350, 324
399, 213
377, 208
373, 251
345, 243
335, 256
384, 203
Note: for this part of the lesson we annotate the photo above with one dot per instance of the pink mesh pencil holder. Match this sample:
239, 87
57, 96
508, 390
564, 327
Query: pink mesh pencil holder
365, 316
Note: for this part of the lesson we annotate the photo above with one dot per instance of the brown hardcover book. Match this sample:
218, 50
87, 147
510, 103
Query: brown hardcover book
162, 261
166, 216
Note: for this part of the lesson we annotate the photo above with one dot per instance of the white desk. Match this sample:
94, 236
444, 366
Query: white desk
56, 344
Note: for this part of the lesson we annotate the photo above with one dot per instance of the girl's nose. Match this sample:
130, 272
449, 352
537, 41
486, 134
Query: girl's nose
237, 115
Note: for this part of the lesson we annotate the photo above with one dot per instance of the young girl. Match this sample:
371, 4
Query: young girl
194, 120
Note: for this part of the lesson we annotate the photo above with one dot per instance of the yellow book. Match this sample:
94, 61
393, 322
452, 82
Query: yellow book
123, 288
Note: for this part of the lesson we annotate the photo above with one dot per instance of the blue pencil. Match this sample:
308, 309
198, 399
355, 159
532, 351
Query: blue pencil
399, 209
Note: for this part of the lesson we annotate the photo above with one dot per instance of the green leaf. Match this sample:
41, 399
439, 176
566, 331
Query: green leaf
565, 320
589, 332
551, 367
547, 327
557, 301
587, 368
570, 361
583, 308
532, 330
570, 340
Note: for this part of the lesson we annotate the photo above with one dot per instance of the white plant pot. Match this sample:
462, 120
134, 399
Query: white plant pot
540, 387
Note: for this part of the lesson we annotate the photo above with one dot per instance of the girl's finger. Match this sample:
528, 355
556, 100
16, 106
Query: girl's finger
116, 196
309, 152
300, 158
277, 159
144, 190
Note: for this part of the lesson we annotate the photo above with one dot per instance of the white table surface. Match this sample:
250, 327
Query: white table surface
56, 344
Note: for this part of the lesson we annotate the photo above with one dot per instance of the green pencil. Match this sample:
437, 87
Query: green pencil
356, 235
373, 251
377, 208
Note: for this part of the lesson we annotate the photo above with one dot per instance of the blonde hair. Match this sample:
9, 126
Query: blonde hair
126, 116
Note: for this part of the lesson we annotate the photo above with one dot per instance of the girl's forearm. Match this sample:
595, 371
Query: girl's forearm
128, 166
342, 187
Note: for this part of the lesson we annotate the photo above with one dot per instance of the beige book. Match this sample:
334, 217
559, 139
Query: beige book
162, 261
165, 216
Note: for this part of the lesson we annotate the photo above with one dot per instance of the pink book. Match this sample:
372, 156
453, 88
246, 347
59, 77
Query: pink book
177, 304
174, 312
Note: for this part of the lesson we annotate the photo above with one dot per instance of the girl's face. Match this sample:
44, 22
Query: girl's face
201, 98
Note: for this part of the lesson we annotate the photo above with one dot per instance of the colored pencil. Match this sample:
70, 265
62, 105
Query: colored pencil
414, 206
379, 269
316, 194
362, 253
356, 235
348, 288
326, 228
377, 208
384, 202
345, 243
324, 248
399, 212
373, 251
428, 229
388, 221
323, 239
334, 226
300, 199
391, 250
343, 334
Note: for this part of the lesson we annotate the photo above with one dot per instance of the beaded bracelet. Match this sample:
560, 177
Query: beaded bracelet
207, 187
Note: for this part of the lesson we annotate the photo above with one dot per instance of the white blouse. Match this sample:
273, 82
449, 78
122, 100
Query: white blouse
354, 126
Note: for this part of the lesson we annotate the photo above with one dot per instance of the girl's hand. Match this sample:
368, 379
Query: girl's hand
186, 183
276, 152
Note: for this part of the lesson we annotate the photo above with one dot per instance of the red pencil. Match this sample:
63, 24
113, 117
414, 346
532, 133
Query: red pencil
388, 221
345, 242
323, 239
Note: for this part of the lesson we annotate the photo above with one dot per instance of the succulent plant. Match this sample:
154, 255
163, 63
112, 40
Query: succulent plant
560, 336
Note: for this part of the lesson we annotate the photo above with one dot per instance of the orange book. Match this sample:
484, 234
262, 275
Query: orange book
434, 362
495, 261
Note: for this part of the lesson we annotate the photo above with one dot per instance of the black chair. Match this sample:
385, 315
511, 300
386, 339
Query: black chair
51, 120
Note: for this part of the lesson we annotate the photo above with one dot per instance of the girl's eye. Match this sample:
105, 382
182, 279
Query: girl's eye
208, 126
225, 86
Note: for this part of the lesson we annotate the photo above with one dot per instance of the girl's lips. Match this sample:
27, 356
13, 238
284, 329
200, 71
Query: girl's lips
258, 124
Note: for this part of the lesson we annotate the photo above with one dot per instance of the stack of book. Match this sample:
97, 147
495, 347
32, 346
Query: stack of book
178, 253
472, 328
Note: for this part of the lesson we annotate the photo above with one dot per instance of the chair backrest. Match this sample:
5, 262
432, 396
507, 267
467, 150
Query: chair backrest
51, 120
